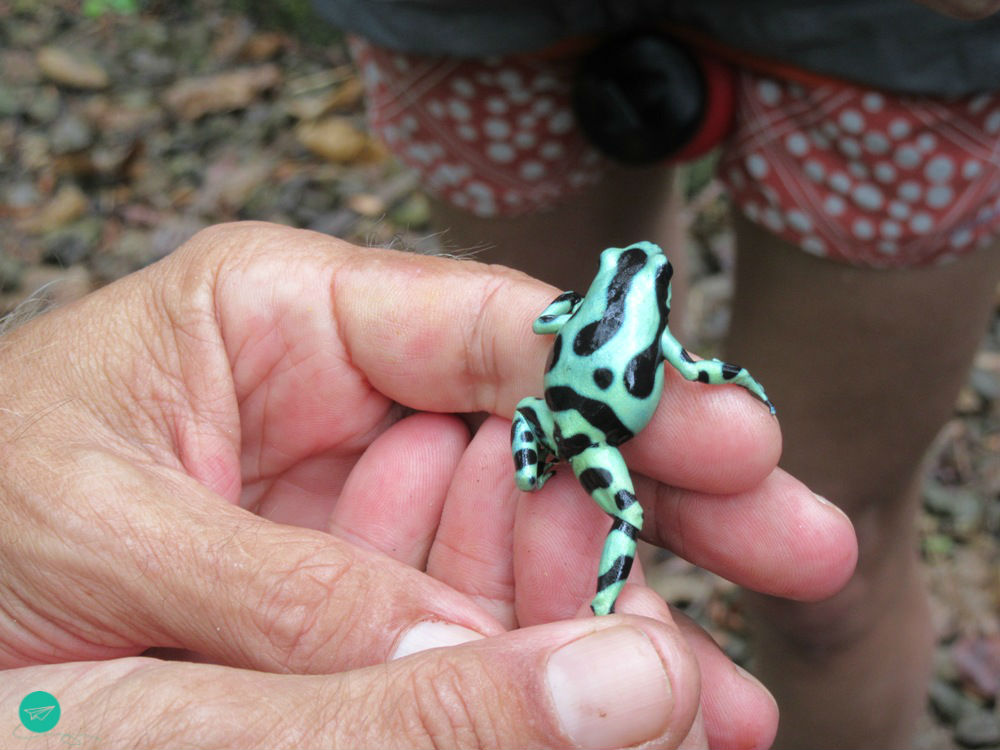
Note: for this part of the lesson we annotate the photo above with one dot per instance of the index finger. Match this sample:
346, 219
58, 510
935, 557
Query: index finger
443, 335
447, 335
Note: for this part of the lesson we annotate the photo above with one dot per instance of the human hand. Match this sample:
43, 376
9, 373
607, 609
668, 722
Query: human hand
259, 368
968, 9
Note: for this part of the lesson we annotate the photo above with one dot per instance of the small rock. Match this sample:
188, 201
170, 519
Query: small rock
152, 33
988, 361
67, 205
20, 194
186, 164
33, 150
348, 95
366, 204
230, 182
170, 234
949, 702
11, 273
708, 307
985, 375
937, 546
306, 103
931, 735
414, 212
335, 139
343, 224
70, 245
11, 101
961, 505
944, 666
721, 246
289, 193
70, 133
192, 98
127, 114
987, 384
31, 29
681, 589
737, 648
18, 68
141, 215
991, 519
151, 184
220, 128
8, 137
969, 401
149, 67
44, 104
262, 121
131, 252
231, 35
977, 661
263, 45
308, 106
112, 159
70, 69
979, 728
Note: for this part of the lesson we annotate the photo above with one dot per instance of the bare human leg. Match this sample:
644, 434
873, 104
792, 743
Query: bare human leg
561, 245
864, 367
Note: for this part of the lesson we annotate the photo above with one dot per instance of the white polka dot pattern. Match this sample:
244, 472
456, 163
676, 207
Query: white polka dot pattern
843, 172
864, 177
494, 137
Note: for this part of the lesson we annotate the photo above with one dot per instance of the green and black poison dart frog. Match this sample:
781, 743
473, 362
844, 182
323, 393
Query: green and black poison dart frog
602, 384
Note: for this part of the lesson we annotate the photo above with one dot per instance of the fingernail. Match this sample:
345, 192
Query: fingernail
755, 682
823, 501
827, 504
432, 634
748, 676
610, 689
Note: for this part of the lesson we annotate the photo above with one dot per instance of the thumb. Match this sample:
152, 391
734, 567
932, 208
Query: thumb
608, 682
593, 682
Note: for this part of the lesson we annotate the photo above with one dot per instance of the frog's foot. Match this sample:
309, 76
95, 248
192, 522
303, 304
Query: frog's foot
710, 371
557, 313
617, 559
603, 473
533, 459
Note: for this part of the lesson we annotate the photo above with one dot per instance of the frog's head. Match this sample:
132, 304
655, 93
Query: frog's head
639, 266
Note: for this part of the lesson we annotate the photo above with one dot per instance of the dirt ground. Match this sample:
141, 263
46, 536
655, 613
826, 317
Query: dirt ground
122, 135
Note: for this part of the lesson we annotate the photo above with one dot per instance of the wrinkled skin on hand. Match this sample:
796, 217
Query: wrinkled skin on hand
248, 453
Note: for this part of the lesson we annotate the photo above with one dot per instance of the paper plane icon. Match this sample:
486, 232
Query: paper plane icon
38, 713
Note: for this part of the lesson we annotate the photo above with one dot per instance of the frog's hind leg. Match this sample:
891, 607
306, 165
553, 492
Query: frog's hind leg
533, 458
603, 473
710, 371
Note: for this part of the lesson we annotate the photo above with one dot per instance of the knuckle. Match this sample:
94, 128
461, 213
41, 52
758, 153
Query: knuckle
480, 355
428, 701
455, 704
302, 606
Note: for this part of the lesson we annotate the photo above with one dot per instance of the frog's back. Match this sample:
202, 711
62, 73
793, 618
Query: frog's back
606, 359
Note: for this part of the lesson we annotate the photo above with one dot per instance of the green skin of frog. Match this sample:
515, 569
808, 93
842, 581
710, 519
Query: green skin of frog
602, 383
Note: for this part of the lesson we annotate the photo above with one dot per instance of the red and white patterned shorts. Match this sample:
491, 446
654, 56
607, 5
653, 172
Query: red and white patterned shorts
844, 172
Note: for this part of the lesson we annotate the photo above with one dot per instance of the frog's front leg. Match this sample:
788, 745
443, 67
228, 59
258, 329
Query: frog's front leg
710, 371
558, 312
603, 473
530, 443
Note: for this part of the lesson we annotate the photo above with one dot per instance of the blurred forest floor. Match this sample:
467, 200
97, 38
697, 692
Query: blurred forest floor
122, 135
